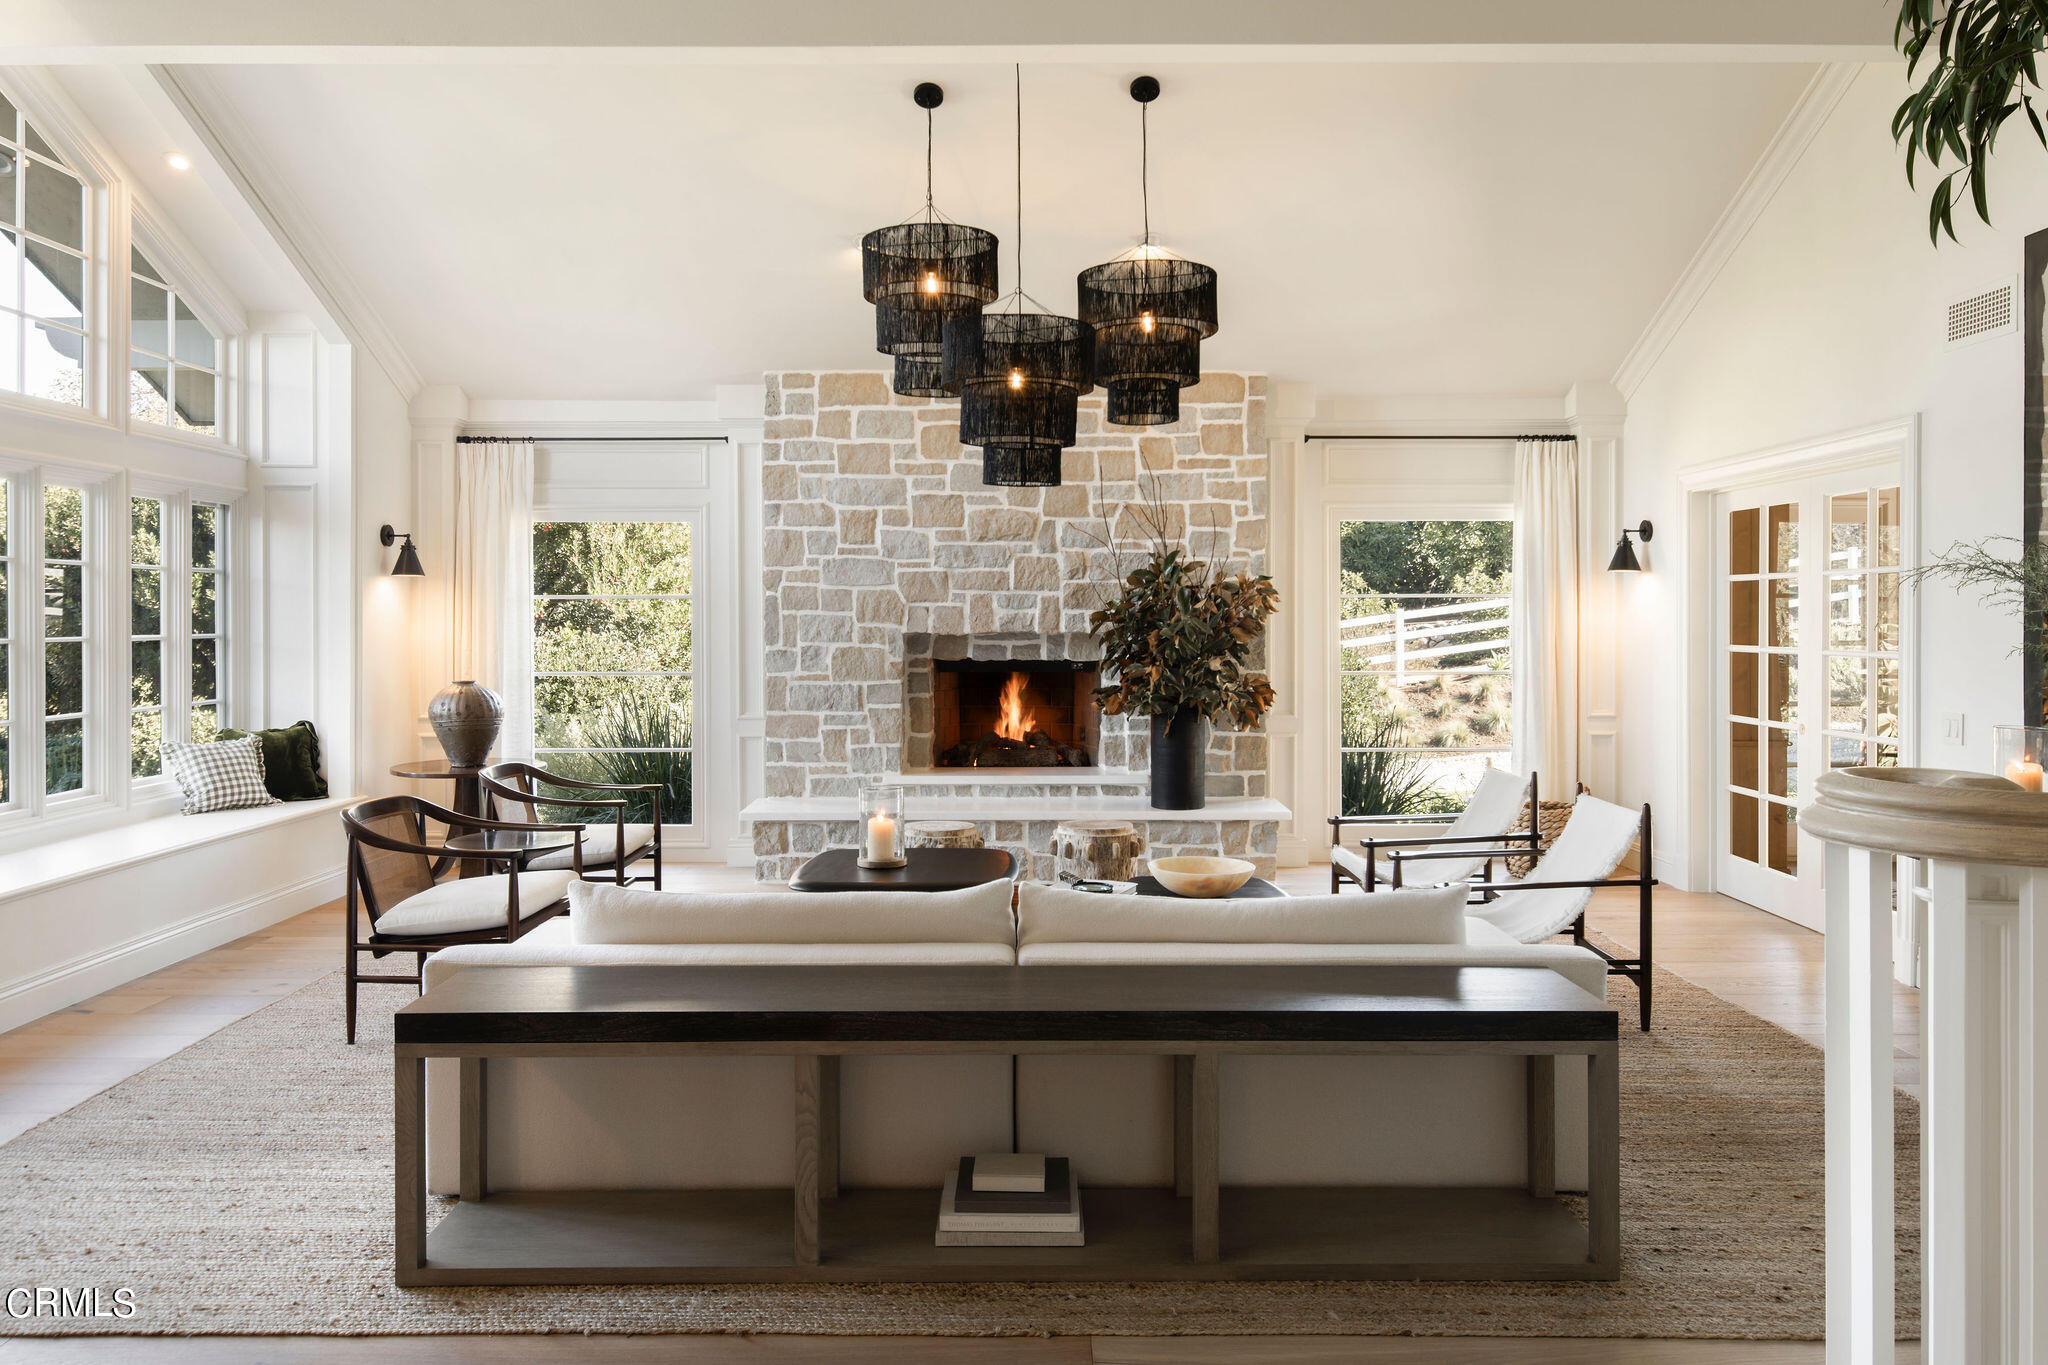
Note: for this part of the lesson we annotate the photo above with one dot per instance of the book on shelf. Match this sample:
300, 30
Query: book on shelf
1007, 1172
1056, 1197
998, 1229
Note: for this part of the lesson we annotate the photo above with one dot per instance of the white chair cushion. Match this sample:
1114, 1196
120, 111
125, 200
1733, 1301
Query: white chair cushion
1495, 804
600, 847
463, 904
1595, 840
1055, 914
1352, 860
602, 913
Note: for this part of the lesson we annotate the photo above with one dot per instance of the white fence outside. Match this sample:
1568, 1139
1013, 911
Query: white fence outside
1416, 640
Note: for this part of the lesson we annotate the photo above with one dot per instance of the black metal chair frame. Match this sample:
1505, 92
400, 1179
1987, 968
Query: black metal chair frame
1637, 968
359, 891
1372, 847
498, 781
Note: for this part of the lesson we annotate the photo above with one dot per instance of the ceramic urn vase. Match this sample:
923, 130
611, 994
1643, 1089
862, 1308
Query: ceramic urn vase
466, 717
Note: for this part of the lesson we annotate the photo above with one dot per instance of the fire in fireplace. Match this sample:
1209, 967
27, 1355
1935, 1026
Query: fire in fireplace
1014, 713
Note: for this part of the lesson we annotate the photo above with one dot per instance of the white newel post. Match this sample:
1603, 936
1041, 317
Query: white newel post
1984, 1116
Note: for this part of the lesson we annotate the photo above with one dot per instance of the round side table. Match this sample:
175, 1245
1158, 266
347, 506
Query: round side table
468, 798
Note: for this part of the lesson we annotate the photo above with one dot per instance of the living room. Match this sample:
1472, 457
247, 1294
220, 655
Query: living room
1114, 683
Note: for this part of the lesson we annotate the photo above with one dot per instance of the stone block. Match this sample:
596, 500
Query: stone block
803, 514
1223, 438
878, 606
778, 482
859, 663
798, 379
871, 491
924, 585
885, 424
784, 428
1001, 523
785, 725
938, 510
852, 390
782, 549
857, 526
858, 571
906, 546
864, 457
1035, 572
835, 424
940, 441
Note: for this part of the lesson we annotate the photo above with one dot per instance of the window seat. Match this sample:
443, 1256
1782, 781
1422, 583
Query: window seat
62, 861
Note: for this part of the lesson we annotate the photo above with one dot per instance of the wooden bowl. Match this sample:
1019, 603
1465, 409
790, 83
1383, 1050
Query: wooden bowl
1202, 877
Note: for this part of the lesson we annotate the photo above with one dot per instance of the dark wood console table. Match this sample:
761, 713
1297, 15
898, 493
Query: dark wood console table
1195, 1014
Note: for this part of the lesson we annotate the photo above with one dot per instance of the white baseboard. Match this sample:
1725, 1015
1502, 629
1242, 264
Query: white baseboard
84, 977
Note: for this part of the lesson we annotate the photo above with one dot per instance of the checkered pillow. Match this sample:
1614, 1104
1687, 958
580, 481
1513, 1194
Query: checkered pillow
224, 775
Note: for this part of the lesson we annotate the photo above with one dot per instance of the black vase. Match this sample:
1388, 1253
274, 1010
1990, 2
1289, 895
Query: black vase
1180, 761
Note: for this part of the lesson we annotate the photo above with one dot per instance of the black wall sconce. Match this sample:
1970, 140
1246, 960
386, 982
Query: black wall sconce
408, 565
1625, 560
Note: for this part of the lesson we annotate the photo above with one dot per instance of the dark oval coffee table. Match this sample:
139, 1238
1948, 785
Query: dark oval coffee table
1258, 888
924, 869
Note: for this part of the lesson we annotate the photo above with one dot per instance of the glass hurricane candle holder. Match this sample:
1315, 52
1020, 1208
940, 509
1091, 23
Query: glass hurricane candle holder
881, 827
2018, 754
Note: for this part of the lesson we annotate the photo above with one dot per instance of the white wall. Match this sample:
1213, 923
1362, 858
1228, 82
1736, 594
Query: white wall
1825, 319
386, 706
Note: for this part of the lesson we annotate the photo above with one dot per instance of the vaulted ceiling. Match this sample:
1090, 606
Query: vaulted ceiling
579, 228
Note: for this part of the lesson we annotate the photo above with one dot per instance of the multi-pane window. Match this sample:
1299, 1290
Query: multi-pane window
6, 644
613, 658
44, 274
1862, 654
146, 637
1424, 672
174, 375
209, 616
65, 626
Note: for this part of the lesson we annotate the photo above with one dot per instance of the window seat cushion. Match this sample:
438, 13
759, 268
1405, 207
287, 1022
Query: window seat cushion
599, 847
41, 866
462, 905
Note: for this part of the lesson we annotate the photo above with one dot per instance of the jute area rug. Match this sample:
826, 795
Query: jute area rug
244, 1186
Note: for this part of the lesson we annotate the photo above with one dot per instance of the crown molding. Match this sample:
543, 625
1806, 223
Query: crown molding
1809, 113
288, 221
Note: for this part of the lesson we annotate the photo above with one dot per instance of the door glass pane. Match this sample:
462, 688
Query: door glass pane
1742, 756
1783, 704
1742, 823
1784, 538
1844, 753
1848, 709
1848, 525
1781, 832
1742, 685
1742, 540
1887, 755
1887, 615
1784, 613
1886, 720
1742, 599
1886, 532
1845, 611
1781, 762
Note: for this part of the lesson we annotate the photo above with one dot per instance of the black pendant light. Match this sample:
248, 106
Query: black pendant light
922, 271
1020, 372
1150, 310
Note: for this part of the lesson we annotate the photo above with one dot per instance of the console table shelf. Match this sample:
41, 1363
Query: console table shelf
1201, 1229
733, 1236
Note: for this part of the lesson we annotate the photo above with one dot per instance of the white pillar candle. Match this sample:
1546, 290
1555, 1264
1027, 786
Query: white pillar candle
2025, 772
881, 838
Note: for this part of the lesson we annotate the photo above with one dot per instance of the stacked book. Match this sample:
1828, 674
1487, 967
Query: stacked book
1010, 1200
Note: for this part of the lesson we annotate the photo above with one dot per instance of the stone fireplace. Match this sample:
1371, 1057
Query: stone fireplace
900, 595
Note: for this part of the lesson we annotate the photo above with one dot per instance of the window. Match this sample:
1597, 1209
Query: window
65, 624
209, 614
146, 637
44, 273
1425, 675
7, 654
174, 375
613, 681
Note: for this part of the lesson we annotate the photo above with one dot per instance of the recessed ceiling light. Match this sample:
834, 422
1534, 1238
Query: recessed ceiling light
178, 161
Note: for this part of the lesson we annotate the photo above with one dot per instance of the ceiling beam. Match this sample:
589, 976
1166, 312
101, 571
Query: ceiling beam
216, 31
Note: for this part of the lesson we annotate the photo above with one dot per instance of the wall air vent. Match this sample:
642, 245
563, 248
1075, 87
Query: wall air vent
1988, 312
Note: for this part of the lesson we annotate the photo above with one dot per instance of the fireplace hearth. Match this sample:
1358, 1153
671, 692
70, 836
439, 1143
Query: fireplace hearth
1014, 713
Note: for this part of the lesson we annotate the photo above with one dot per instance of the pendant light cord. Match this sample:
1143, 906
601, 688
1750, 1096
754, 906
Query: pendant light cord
1019, 69
1144, 166
927, 164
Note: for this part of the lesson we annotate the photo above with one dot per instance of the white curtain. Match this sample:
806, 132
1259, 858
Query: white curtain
493, 573
1545, 619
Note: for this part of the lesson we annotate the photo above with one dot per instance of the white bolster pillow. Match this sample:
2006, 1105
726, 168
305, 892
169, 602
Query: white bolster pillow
601, 912
1057, 914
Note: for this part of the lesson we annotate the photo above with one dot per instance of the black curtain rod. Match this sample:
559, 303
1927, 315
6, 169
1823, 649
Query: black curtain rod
1489, 436
585, 440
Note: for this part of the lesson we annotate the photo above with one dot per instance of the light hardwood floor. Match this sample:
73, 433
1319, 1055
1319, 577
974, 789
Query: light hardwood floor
1766, 965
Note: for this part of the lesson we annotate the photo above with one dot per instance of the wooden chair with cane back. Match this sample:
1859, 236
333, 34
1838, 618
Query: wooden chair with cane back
391, 864
609, 847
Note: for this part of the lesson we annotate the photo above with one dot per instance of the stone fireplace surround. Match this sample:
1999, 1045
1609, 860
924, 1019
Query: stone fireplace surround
883, 550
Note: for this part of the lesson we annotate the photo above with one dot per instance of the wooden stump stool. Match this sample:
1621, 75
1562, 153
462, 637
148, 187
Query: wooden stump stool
1097, 850
941, 834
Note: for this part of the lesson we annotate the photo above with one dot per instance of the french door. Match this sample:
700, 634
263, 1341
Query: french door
1808, 643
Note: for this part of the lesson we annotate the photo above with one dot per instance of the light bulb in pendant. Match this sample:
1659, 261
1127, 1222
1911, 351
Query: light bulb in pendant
1016, 379
1145, 323
931, 282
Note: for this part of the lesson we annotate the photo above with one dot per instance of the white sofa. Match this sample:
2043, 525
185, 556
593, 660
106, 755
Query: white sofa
729, 1121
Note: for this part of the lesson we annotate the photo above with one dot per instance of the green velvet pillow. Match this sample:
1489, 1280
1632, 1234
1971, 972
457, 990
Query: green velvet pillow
291, 761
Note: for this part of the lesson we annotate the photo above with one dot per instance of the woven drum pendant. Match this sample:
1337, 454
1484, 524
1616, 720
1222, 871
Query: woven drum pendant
1151, 311
921, 272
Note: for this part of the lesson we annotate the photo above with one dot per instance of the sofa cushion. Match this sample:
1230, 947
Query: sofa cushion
462, 905
1055, 914
600, 847
603, 913
1576, 965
